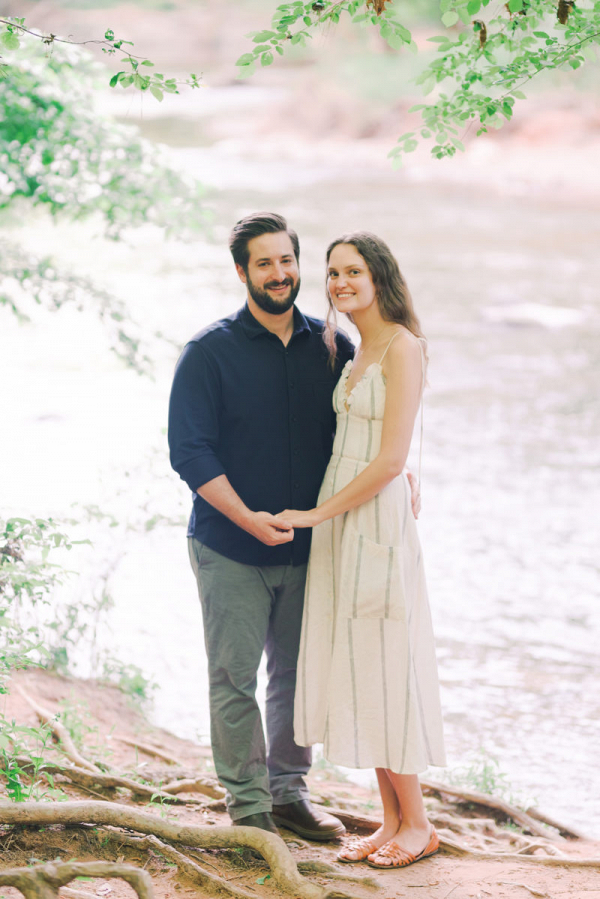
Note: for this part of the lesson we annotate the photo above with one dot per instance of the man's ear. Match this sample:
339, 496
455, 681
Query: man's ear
241, 273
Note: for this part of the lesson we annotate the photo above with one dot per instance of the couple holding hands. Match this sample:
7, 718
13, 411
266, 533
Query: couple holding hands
273, 410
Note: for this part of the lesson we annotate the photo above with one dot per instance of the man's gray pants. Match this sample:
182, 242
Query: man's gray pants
247, 609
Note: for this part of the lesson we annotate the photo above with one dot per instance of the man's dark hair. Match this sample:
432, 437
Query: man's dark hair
253, 226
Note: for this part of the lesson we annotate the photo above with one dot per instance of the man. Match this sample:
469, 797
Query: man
251, 429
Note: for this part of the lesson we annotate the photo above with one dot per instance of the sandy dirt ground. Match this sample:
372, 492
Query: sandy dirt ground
102, 719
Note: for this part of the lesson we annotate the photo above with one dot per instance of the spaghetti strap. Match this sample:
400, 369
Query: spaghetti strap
388, 346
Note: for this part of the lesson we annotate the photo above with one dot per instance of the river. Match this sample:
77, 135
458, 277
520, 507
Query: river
506, 285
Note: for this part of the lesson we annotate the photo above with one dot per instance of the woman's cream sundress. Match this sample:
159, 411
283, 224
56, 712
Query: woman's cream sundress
367, 685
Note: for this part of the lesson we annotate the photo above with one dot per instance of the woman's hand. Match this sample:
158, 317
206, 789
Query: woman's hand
298, 519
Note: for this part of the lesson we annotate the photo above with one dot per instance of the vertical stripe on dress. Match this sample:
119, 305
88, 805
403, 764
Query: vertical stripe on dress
406, 702
388, 583
422, 717
357, 577
377, 522
304, 654
341, 453
354, 697
369, 441
386, 738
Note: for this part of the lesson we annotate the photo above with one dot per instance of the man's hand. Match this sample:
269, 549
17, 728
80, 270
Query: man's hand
299, 519
270, 530
415, 493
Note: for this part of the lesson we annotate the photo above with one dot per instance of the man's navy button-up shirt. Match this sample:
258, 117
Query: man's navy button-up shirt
246, 406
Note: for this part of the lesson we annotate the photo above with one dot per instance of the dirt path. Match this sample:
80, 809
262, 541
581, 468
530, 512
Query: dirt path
107, 728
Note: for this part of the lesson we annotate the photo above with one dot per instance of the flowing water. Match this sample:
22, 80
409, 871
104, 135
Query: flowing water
507, 289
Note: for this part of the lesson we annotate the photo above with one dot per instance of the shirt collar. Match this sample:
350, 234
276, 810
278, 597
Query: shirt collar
253, 327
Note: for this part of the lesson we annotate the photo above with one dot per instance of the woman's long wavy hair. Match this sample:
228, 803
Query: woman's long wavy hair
392, 295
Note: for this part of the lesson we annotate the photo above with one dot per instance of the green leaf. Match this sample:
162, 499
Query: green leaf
261, 880
246, 59
515, 5
261, 36
450, 18
10, 41
519, 95
266, 59
246, 71
473, 7
156, 92
115, 79
146, 62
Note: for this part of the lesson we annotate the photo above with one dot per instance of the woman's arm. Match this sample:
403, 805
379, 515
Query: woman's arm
404, 378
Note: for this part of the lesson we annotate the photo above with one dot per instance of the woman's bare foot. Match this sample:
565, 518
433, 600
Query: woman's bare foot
358, 848
409, 843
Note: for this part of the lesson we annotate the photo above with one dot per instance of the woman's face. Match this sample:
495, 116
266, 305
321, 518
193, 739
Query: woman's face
349, 280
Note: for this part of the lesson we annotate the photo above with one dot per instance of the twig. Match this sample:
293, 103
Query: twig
149, 749
525, 887
60, 732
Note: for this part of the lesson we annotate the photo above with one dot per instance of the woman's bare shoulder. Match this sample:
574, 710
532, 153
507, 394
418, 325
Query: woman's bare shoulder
404, 349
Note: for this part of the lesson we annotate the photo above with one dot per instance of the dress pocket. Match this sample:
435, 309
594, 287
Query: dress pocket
372, 578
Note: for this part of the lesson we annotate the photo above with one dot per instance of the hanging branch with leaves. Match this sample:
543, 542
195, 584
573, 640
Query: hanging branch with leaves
482, 61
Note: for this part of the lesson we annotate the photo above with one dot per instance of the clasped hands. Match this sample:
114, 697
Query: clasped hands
275, 529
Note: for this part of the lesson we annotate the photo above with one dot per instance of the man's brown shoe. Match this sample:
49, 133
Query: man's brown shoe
262, 820
307, 821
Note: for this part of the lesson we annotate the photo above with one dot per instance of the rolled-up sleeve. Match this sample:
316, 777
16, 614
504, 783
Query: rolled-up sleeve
194, 418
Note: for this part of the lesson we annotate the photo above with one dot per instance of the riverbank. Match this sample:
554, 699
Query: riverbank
483, 853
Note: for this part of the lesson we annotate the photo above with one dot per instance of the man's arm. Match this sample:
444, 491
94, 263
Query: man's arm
265, 527
193, 438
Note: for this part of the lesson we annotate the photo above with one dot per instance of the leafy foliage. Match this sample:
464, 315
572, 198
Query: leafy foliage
57, 150
136, 67
487, 53
309, 16
58, 153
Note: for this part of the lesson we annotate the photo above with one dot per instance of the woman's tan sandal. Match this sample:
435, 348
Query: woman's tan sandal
391, 855
358, 849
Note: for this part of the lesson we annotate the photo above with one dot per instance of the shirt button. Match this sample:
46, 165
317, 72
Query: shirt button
294, 418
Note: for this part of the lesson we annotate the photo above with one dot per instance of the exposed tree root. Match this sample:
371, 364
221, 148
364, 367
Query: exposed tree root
207, 786
517, 815
553, 860
68, 893
315, 867
186, 866
149, 749
59, 731
283, 868
87, 779
44, 881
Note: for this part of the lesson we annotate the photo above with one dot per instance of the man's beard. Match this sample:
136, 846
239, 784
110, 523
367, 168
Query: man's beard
268, 303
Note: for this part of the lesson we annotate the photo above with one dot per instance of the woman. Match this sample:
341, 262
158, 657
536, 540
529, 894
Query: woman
367, 681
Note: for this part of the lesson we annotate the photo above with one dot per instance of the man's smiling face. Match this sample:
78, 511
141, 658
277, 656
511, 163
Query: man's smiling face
272, 276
